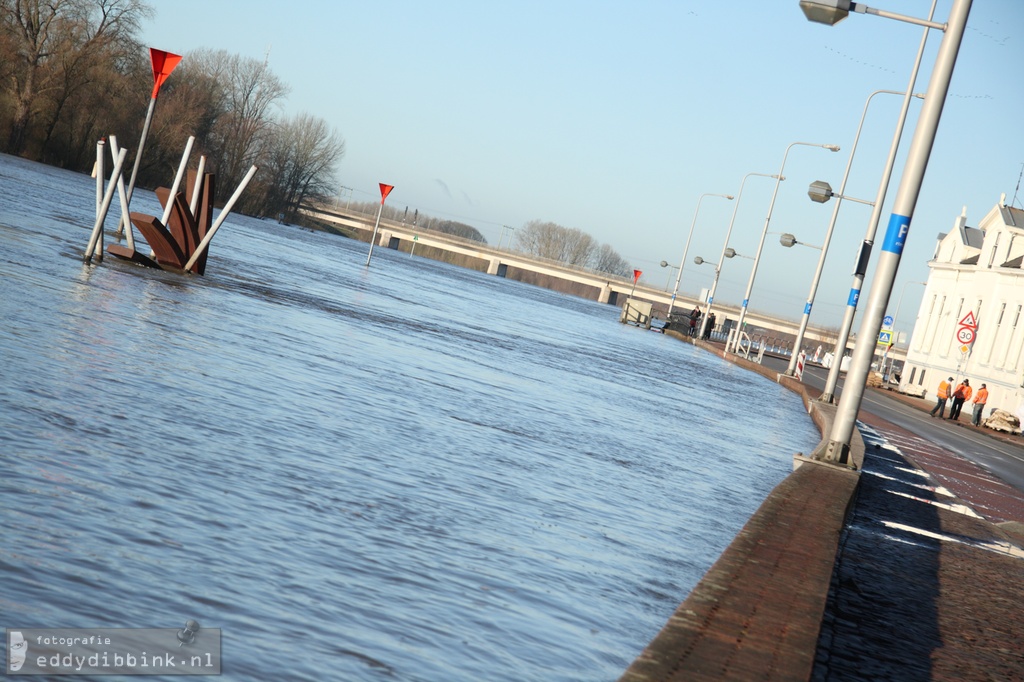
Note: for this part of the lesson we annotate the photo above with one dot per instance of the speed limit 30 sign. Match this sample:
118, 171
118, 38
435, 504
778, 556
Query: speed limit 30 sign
965, 335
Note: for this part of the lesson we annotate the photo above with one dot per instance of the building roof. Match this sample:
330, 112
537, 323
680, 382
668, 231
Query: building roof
972, 237
1014, 217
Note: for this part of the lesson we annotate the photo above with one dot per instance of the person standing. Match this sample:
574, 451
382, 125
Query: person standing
979, 405
960, 396
709, 327
942, 396
694, 320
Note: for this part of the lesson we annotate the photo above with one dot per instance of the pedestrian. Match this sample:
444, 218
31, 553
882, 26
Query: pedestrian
960, 396
942, 396
694, 319
709, 327
979, 405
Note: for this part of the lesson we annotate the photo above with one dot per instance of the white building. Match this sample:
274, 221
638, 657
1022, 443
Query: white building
975, 272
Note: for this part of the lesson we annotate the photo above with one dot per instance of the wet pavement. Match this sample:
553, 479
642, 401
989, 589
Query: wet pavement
929, 578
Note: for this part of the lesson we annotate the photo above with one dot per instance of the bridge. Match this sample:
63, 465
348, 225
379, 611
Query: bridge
600, 286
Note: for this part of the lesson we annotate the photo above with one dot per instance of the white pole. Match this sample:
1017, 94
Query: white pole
194, 203
790, 370
99, 174
99, 188
373, 239
897, 232
104, 207
220, 219
686, 249
725, 247
126, 223
177, 180
764, 233
125, 215
828, 395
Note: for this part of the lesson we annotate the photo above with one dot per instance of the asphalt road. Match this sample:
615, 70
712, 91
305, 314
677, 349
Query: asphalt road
1001, 458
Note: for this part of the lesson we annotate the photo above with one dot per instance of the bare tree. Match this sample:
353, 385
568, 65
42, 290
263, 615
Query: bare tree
51, 50
607, 259
301, 160
550, 240
248, 91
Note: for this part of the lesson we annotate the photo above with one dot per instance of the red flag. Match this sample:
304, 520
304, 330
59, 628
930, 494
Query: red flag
636, 275
163, 64
385, 190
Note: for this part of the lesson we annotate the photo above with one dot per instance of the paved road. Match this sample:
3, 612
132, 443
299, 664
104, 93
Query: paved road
1003, 457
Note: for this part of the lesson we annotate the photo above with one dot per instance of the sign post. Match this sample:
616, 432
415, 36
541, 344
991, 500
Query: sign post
636, 276
163, 65
384, 191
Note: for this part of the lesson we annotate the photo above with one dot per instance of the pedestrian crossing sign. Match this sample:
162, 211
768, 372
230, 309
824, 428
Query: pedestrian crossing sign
885, 337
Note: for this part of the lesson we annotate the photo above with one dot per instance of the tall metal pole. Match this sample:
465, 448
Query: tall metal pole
791, 369
897, 232
764, 233
725, 247
861, 266
679, 274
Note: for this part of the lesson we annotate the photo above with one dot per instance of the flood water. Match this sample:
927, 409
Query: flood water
410, 471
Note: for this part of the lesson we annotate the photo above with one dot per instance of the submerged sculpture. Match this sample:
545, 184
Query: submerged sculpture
174, 244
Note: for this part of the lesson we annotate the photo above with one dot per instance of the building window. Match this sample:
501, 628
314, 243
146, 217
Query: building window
913, 371
920, 381
995, 336
995, 245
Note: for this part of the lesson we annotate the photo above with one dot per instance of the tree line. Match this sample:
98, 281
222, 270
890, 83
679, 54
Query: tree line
74, 71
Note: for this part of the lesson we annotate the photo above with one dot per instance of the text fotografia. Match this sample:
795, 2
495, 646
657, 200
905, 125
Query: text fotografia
114, 651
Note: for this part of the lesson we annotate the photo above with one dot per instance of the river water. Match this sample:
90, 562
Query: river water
410, 471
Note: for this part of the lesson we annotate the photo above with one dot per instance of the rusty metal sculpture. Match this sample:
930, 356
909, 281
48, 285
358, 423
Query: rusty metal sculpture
175, 243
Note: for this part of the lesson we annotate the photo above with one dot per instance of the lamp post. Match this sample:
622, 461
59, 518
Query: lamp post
764, 233
861, 266
838, 448
791, 369
679, 275
666, 264
725, 247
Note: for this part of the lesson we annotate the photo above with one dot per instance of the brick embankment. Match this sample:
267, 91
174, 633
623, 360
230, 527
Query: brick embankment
882, 574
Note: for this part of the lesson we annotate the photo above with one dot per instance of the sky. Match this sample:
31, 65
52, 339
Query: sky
615, 117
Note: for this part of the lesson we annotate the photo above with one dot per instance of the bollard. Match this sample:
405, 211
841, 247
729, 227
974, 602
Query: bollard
104, 207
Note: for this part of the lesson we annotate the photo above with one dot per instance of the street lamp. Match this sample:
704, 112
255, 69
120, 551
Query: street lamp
821, 192
679, 275
725, 246
831, 12
666, 264
789, 241
838, 448
764, 233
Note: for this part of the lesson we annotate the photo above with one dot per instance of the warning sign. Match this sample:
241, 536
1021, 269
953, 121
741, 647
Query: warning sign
969, 320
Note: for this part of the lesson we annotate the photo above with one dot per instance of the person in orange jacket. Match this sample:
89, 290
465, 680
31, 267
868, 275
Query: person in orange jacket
961, 395
979, 405
942, 395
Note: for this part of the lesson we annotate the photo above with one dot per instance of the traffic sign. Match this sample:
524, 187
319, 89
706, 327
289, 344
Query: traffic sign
965, 349
969, 321
887, 322
885, 337
965, 335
